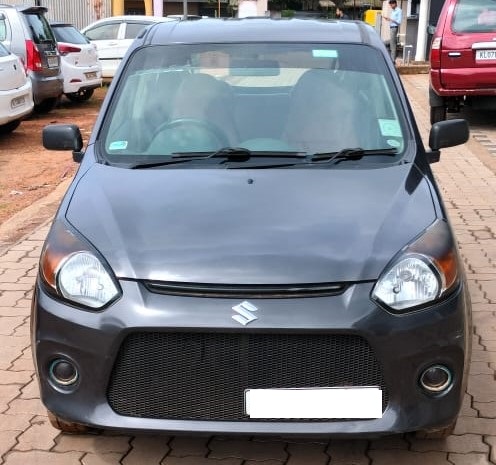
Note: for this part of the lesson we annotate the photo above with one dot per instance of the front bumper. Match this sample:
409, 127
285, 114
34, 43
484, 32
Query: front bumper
403, 346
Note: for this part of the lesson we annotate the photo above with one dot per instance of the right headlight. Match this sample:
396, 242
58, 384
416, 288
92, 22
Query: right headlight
73, 270
424, 271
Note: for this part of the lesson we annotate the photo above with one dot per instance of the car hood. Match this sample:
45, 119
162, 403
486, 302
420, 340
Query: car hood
271, 226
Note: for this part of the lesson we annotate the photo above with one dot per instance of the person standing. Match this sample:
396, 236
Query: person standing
340, 14
394, 24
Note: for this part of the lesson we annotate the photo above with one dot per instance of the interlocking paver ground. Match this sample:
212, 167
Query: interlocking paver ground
467, 179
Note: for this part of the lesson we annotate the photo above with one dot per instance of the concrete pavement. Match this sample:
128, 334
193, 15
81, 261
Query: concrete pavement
467, 179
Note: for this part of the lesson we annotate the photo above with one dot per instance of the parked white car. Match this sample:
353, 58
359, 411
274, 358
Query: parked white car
81, 68
16, 95
113, 36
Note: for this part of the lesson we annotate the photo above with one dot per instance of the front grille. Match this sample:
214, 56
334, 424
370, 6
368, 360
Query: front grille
242, 291
203, 376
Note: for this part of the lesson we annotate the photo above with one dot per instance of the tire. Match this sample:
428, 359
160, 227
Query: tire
69, 427
442, 433
9, 127
46, 105
438, 114
80, 96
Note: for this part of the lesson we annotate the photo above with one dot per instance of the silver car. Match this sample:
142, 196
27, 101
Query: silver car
25, 31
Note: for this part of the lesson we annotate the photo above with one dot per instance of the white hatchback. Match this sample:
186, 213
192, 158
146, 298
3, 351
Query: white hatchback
81, 69
16, 96
113, 36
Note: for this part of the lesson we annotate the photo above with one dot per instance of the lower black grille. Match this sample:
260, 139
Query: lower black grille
203, 376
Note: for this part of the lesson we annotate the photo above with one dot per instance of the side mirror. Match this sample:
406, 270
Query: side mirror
447, 134
64, 137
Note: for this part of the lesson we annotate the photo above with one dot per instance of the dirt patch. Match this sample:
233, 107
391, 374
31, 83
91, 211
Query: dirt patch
33, 177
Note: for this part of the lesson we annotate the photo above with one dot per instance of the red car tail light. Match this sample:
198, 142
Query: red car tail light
66, 49
436, 53
33, 58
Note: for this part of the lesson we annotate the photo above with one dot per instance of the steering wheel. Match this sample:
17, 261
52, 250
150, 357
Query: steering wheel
213, 133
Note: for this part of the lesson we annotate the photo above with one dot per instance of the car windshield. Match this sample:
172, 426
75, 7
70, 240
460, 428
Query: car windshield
257, 101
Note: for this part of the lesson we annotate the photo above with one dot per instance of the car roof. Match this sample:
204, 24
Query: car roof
261, 30
130, 18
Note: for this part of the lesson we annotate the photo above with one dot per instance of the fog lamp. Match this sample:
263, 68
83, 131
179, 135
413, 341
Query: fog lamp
436, 379
63, 372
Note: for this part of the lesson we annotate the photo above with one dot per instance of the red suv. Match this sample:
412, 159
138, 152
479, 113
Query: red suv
463, 57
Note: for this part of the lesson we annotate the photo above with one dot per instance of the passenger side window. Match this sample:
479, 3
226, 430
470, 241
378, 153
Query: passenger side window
133, 29
3, 30
104, 32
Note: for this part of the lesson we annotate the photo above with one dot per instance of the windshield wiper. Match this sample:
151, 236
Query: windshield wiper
350, 154
159, 163
355, 153
239, 154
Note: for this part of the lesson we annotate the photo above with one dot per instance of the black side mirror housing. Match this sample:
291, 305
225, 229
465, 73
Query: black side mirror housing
447, 134
64, 137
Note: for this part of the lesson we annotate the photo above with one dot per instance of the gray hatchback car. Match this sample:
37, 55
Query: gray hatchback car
254, 243
25, 31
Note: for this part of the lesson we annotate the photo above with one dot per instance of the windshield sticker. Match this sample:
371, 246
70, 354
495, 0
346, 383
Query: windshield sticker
118, 145
394, 143
390, 127
325, 53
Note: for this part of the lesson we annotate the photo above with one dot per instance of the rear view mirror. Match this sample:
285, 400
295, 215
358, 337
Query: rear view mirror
63, 137
254, 68
431, 29
447, 134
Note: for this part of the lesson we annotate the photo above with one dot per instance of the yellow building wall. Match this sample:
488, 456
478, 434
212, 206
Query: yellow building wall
118, 7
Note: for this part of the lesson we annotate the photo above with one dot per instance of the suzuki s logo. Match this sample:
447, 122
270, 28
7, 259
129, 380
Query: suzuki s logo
244, 312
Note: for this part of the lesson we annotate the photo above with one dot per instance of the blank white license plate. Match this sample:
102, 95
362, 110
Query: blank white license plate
483, 55
362, 402
90, 75
53, 62
18, 101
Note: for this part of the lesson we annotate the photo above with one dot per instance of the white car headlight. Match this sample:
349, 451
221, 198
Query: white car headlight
423, 272
82, 278
410, 282
72, 269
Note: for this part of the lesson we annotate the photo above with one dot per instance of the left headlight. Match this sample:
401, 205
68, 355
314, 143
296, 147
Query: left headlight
74, 270
423, 272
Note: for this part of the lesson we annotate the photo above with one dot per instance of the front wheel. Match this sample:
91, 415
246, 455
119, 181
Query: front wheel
438, 114
80, 96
